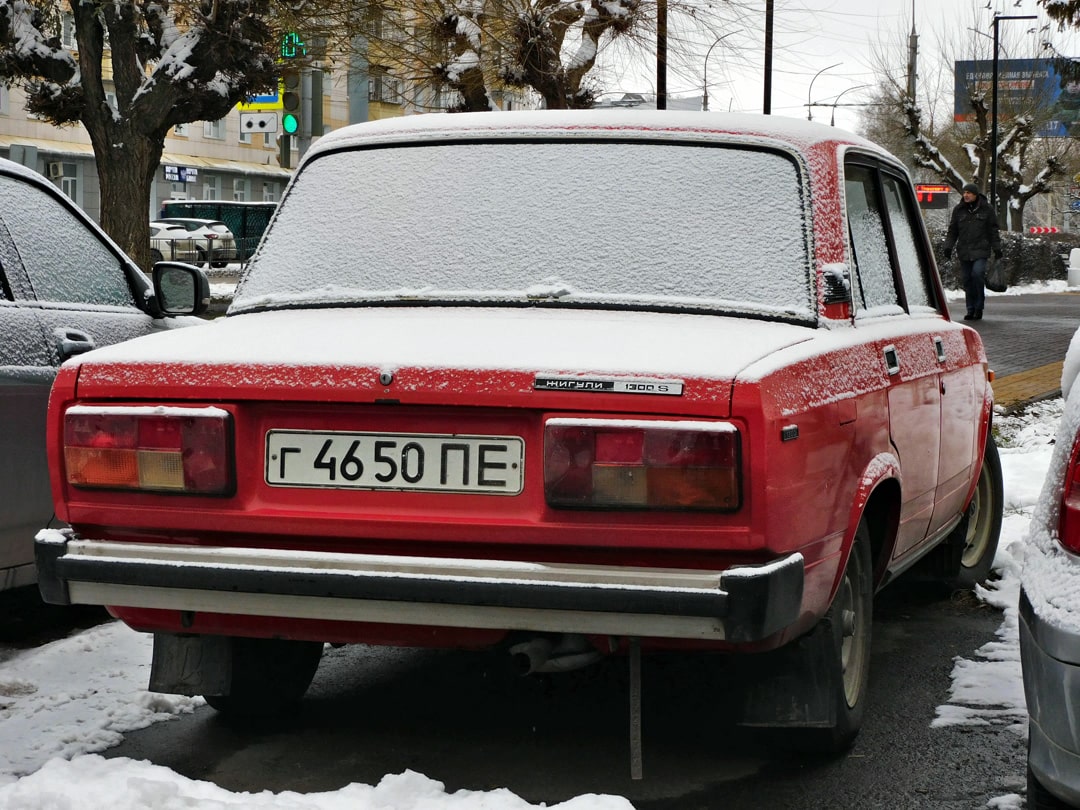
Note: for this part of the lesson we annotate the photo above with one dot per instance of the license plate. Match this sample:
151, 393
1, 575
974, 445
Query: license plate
422, 462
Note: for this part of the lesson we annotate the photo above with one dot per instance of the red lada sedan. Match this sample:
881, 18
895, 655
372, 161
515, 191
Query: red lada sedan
568, 384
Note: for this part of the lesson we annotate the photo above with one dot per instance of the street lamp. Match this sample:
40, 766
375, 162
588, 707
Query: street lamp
705, 77
994, 115
832, 118
810, 90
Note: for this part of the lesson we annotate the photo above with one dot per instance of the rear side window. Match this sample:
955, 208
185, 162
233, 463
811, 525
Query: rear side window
869, 242
906, 237
887, 245
63, 258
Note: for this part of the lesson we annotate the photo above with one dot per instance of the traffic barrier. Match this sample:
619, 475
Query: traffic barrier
1039, 229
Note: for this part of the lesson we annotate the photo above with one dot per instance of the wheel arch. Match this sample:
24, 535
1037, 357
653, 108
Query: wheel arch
878, 501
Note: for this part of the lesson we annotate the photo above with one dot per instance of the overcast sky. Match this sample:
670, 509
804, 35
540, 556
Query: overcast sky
836, 37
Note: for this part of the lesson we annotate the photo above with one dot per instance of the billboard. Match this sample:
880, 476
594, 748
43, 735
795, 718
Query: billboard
1023, 84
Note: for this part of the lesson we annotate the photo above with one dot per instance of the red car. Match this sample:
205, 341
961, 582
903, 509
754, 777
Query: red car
572, 384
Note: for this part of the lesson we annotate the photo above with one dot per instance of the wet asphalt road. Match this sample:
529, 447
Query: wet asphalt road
469, 721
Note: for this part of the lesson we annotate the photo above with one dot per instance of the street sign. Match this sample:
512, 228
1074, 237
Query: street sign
932, 196
180, 174
262, 103
1075, 205
258, 122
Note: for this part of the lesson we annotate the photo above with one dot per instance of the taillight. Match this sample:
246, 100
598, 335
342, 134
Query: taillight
638, 464
1069, 520
166, 449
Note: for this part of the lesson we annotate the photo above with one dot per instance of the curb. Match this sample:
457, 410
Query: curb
1016, 391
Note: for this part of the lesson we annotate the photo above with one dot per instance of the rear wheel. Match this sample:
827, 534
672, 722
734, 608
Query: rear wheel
201, 258
847, 628
268, 676
155, 256
981, 527
810, 695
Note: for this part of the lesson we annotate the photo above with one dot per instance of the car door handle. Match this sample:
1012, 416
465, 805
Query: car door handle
70, 342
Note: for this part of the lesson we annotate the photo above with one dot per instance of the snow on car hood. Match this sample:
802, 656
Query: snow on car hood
262, 352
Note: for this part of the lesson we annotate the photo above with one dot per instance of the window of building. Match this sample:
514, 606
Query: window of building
214, 129
245, 137
270, 192
5, 99
240, 189
69, 182
181, 130
211, 188
67, 30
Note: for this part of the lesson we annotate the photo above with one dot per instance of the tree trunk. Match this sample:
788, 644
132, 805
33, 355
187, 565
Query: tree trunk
126, 174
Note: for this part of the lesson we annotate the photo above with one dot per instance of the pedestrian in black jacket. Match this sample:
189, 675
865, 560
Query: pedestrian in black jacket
973, 231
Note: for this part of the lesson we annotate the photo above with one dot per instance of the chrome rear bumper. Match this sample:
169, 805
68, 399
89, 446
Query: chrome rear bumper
740, 604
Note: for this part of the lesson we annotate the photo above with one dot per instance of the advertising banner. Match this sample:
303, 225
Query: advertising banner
1024, 86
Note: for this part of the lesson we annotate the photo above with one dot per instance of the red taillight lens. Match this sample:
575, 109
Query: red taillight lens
183, 450
641, 464
1069, 520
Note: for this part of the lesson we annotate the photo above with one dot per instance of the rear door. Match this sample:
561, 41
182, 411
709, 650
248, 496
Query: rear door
895, 307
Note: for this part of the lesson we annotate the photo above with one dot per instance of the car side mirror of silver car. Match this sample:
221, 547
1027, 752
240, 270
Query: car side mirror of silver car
181, 289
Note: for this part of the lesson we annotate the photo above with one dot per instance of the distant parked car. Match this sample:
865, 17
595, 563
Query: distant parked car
197, 241
632, 409
1050, 615
54, 304
170, 243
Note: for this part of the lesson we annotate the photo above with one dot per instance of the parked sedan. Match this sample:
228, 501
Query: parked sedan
55, 303
564, 384
1050, 616
197, 241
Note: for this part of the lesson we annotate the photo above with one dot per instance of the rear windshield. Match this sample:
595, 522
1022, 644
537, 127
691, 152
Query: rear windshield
638, 225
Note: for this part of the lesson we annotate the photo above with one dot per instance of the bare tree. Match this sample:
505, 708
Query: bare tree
479, 48
133, 71
961, 151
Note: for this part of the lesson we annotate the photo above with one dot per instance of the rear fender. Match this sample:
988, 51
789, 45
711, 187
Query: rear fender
877, 498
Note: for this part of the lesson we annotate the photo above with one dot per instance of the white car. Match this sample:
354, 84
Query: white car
1050, 615
198, 241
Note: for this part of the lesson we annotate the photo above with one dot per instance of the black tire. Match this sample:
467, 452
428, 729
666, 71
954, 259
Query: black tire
977, 534
1039, 798
848, 625
155, 256
219, 264
836, 655
268, 676
201, 259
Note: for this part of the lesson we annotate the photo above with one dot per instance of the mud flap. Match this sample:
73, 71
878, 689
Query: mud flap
191, 665
792, 687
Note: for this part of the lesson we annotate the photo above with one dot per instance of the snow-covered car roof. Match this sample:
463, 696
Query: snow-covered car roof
794, 133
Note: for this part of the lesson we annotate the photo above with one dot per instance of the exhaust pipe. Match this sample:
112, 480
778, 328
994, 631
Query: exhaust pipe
543, 654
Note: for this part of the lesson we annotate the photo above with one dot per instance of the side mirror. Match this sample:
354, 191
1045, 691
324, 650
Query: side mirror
181, 289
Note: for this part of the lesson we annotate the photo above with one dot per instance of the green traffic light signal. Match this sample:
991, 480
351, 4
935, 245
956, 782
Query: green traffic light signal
290, 123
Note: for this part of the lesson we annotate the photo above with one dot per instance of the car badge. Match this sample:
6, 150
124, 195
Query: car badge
610, 385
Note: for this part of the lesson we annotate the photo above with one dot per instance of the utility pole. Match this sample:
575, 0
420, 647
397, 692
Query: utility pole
661, 54
913, 56
766, 105
994, 120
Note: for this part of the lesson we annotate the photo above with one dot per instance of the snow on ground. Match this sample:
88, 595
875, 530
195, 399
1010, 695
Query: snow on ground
65, 701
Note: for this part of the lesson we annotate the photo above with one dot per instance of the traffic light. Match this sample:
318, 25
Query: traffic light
290, 100
293, 49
